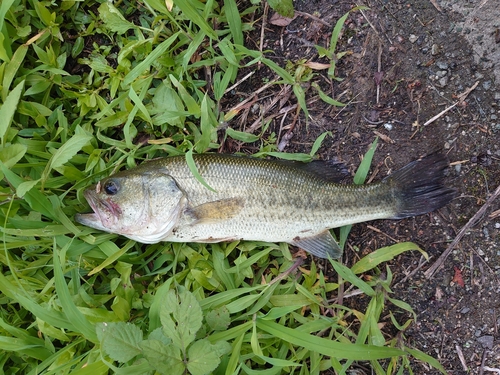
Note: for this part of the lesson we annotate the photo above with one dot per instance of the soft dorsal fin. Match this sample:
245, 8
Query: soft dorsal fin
321, 245
330, 170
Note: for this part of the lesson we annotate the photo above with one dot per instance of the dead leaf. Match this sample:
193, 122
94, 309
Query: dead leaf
278, 20
317, 66
378, 77
458, 277
384, 137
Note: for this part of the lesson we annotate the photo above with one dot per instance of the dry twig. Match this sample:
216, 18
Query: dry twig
461, 98
473, 220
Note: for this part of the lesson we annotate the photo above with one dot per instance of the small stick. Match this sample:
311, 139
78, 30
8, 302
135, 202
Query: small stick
303, 14
461, 357
436, 5
473, 220
461, 98
262, 30
239, 82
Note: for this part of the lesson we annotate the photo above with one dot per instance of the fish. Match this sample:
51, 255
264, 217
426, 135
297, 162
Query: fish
257, 200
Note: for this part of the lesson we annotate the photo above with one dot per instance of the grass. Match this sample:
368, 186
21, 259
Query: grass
87, 87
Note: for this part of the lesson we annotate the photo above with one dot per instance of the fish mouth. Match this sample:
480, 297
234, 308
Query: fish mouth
105, 213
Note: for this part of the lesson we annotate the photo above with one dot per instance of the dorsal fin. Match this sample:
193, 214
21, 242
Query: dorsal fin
330, 170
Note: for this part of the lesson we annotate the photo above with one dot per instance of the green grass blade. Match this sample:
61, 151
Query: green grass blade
326, 346
194, 170
8, 109
188, 7
382, 255
145, 64
81, 324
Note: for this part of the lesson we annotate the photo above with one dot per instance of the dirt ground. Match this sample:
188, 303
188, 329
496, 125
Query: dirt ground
406, 62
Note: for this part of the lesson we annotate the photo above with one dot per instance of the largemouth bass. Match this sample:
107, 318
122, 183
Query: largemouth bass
256, 199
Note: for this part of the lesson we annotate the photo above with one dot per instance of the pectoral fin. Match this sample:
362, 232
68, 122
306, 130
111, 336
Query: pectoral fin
321, 245
217, 210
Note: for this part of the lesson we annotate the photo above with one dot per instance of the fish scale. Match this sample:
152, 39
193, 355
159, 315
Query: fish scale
256, 199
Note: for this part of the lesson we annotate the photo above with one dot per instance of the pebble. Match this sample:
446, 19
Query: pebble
458, 168
486, 85
443, 81
442, 65
465, 310
434, 49
388, 126
497, 96
412, 38
441, 73
486, 341
493, 117
497, 225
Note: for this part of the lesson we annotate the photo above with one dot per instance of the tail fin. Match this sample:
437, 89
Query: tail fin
418, 187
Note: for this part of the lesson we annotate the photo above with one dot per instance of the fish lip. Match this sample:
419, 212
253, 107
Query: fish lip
105, 213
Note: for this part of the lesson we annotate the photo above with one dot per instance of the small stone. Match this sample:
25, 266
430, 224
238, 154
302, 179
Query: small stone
434, 49
486, 341
412, 38
486, 85
388, 126
493, 117
497, 96
478, 75
465, 310
497, 225
442, 65
441, 73
443, 81
458, 168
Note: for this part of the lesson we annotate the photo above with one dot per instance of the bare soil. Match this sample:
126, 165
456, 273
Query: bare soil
424, 55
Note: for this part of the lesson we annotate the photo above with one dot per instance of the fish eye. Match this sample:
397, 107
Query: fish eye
111, 187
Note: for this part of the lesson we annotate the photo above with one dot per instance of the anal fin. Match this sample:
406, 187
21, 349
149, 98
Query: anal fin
321, 245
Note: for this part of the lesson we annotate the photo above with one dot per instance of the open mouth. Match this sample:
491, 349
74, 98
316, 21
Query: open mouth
104, 214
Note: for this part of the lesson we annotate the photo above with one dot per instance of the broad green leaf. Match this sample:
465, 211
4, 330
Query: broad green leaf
283, 7
218, 319
120, 340
202, 358
113, 19
8, 109
181, 317
165, 359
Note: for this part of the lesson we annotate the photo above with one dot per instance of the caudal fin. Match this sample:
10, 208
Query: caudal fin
418, 187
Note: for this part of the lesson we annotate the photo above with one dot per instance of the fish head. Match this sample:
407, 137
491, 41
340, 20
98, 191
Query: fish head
142, 206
